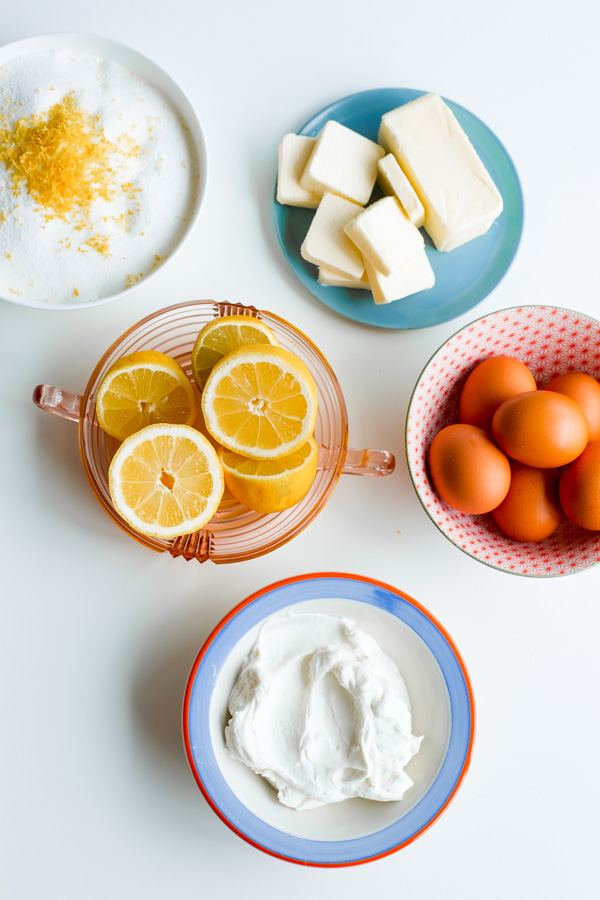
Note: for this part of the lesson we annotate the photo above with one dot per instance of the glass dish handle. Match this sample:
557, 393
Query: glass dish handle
62, 403
369, 462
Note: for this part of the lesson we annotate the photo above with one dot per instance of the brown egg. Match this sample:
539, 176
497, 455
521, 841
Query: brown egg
530, 511
585, 391
541, 428
468, 470
490, 383
579, 488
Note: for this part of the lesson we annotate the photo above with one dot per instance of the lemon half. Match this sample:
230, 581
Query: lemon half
270, 485
166, 480
141, 389
221, 336
260, 401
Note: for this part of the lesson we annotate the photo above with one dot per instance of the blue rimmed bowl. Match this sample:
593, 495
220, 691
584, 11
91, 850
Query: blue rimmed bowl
355, 831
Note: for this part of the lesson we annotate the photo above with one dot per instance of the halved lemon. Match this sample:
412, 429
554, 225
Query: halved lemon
143, 388
270, 485
223, 335
260, 401
166, 480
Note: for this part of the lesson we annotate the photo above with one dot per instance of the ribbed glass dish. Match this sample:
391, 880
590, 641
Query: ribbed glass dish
235, 533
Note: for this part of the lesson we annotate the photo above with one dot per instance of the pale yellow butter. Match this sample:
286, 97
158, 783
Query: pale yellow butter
342, 162
294, 151
384, 235
333, 279
415, 275
326, 243
394, 182
458, 194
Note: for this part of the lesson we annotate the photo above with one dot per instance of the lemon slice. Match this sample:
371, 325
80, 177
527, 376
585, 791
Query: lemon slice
223, 335
166, 480
260, 401
270, 485
141, 389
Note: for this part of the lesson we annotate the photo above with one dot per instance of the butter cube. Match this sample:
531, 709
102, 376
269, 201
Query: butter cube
326, 244
342, 162
294, 151
415, 275
459, 196
394, 182
384, 235
332, 279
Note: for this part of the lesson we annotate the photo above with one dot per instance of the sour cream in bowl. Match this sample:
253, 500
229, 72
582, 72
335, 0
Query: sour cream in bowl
340, 783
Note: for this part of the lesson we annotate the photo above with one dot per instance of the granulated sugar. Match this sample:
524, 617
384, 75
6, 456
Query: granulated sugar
98, 178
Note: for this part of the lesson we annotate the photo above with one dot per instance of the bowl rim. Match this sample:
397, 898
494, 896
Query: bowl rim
190, 117
462, 703
550, 308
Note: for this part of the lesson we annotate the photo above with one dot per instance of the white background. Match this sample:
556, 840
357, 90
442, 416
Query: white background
98, 633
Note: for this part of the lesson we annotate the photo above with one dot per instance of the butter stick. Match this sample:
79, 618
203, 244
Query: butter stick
342, 162
294, 151
458, 194
384, 235
326, 244
394, 182
413, 276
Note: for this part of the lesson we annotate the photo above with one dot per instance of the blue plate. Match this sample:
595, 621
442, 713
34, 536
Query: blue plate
355, 831
463, 276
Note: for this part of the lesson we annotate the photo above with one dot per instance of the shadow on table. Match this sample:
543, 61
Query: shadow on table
158, 682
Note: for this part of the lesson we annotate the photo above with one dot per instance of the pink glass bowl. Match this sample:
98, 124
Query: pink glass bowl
549, 340
235, 533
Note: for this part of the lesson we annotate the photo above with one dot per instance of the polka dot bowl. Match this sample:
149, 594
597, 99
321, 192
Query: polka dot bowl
549, 340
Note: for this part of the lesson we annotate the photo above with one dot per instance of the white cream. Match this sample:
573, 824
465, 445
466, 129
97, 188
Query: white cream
322, 712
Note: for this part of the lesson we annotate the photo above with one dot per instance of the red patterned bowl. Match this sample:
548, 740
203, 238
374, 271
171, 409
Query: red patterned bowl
549, 340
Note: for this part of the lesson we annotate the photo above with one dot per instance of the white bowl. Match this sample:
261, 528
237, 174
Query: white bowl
142, 66
353, 831
550, 340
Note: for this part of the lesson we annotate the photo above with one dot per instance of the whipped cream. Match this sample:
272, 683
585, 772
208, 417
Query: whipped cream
321, 712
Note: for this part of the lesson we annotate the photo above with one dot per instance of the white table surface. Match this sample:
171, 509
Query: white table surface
98, 634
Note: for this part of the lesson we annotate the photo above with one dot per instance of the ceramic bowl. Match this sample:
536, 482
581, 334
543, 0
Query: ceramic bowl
143, 68
462, 278
549, 340
353, 831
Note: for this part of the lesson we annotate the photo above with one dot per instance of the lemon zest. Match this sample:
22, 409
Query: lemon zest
62, 158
